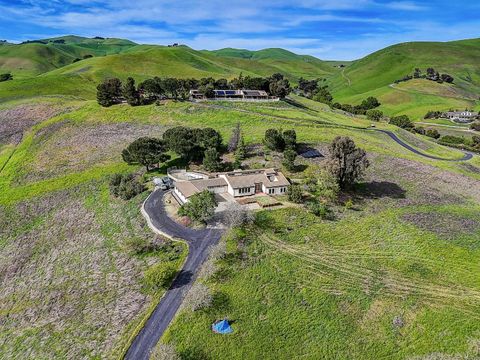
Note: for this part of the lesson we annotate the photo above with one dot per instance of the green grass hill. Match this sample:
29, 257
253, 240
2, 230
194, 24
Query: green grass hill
36, 57
374, 74
144, 61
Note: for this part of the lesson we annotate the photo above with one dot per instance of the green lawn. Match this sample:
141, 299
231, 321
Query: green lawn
366, 286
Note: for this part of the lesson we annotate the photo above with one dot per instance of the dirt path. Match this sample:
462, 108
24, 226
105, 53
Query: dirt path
346, 77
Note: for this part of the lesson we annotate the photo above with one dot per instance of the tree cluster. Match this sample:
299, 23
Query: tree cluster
431, 75
433, 115
125, 186
192, 143
109, 92
367, 104
279, 140
346, 163
402, 121
146, 151
200, 207
112, 91
312, 90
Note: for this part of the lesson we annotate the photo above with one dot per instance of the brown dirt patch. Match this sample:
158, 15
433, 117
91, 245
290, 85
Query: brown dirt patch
14, 122
446, 226
65, 147
424, 184
64, 282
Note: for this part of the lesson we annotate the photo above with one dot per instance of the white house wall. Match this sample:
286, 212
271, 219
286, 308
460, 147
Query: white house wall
180, 195
251, 191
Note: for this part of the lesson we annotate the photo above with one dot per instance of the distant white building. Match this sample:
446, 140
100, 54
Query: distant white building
237, 183
461, 116
234, 95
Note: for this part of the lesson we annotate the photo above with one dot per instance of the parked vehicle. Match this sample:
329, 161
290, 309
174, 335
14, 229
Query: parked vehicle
164, 183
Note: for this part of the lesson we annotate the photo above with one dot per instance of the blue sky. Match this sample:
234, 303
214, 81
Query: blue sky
328, 29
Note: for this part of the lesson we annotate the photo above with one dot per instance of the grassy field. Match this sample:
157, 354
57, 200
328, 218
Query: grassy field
66, 269
393, 278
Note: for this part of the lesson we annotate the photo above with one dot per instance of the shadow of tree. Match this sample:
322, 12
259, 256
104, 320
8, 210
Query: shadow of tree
184, 278
380, 189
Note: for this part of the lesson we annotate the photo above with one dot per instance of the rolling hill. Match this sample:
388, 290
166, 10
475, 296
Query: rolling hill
391, 273
49, 67
298, 65
144, 61
40, 56
374, 74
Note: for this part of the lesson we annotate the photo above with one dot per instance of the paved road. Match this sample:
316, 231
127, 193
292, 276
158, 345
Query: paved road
466, 156
199, 242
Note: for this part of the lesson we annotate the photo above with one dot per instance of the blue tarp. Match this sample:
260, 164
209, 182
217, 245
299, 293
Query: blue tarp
222, 327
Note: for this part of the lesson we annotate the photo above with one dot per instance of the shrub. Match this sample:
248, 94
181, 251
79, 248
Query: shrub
475, 126
346, 163
327, 186
236, 215
450, 139
290, 139
374, 115
274, 140
159, 276
348, 204
402, 121
419, 130
125, 186
211, 161
136, 245
289, 157
200, 207
164, 352
295, 194
199, 297
319, 209
433, 133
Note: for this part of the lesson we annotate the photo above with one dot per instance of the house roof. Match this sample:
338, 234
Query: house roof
192, 187
268, 177
462, 113
254, 93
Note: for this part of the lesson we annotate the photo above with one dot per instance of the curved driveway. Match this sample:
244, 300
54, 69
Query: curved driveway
466, 156
199, 242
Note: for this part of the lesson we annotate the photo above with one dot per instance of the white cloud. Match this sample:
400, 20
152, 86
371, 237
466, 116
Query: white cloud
406, 5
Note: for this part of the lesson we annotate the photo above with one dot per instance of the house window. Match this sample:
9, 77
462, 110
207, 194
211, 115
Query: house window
244, 190
271, 191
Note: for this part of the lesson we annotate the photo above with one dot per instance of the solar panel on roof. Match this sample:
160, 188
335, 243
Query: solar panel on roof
220, 92
230, 92
311, 154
